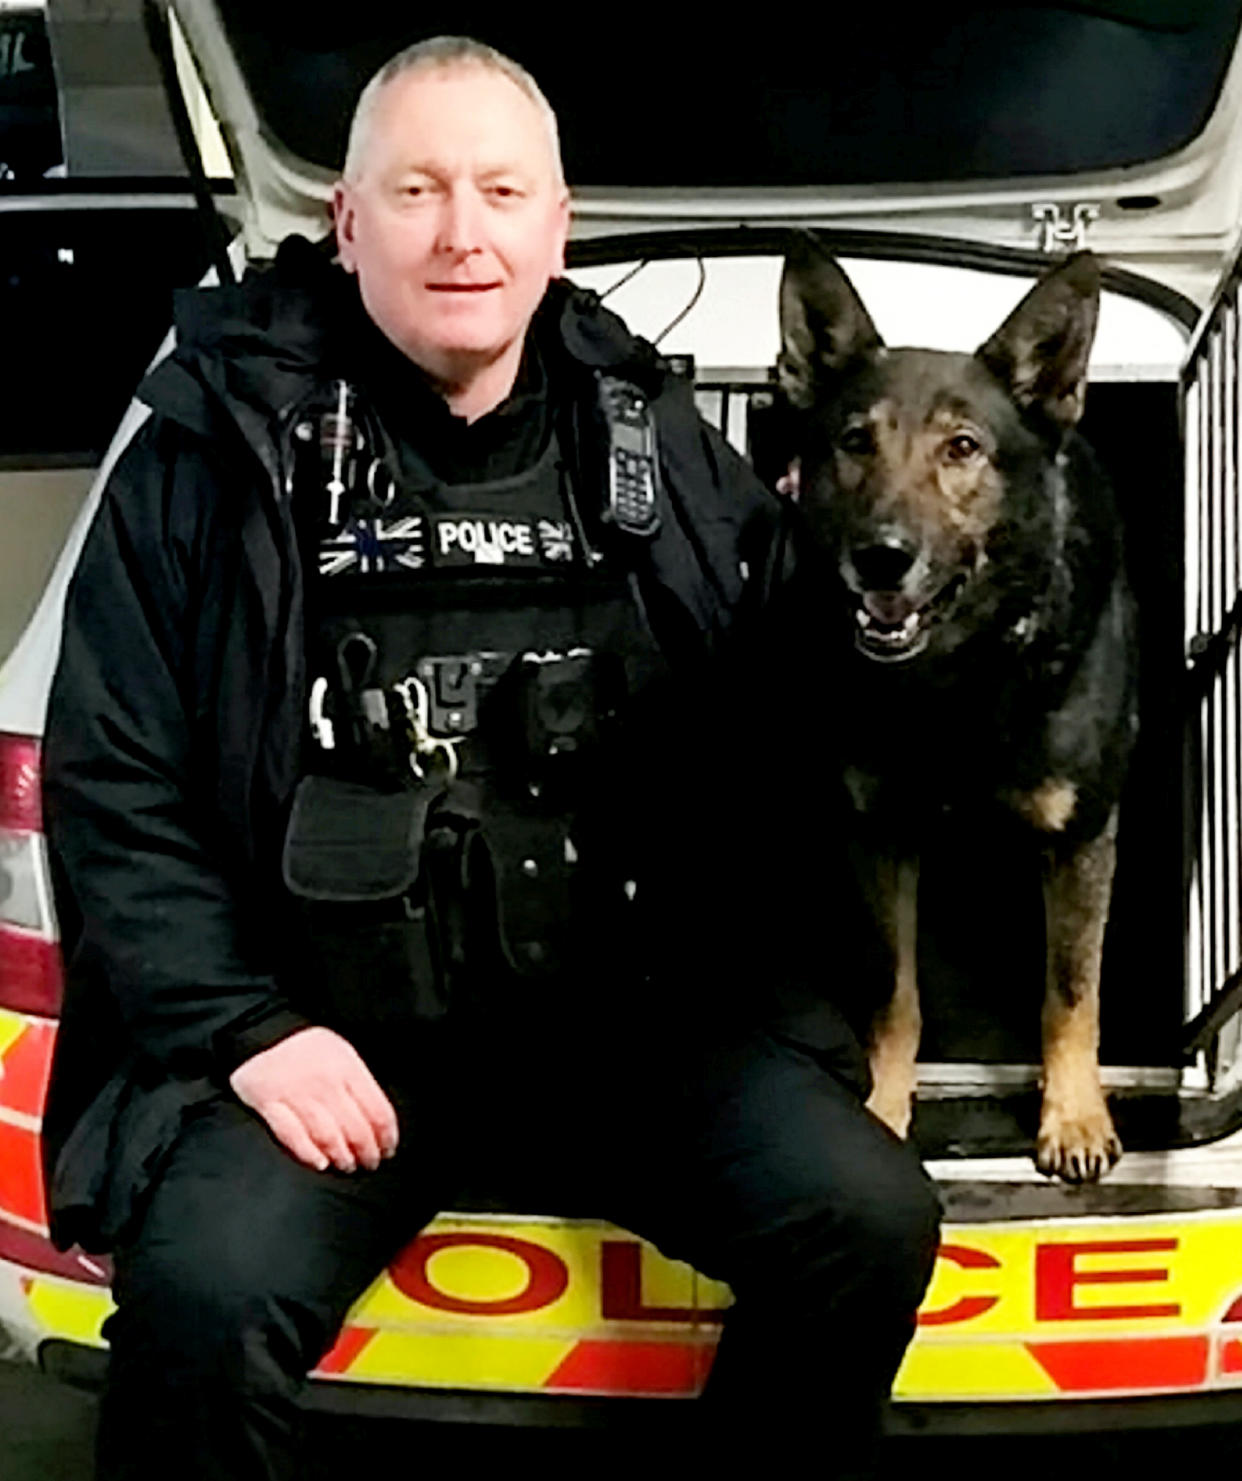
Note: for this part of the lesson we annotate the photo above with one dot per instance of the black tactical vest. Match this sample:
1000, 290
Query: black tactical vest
477, 679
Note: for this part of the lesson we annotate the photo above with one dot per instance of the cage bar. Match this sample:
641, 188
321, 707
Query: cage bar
1213, 575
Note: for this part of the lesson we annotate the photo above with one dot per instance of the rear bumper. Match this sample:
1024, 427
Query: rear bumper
86, 1368
498, 1314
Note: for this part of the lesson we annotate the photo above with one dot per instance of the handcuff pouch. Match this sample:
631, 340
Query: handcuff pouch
347, 842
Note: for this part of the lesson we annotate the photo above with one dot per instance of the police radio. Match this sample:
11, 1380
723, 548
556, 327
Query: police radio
633, 469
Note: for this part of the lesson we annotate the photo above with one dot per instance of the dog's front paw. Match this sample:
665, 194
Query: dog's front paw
1078, 1146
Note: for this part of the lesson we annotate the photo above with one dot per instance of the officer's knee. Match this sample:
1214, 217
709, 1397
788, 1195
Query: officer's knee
877, 1239
214, 1314
898, 1230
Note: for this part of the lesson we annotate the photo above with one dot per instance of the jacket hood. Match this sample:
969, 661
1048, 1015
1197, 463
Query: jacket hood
258, 344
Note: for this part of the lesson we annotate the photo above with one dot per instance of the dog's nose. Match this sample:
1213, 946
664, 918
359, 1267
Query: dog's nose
882, 566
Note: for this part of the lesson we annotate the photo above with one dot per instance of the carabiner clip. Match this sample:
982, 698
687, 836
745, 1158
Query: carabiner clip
423, 744
321, 727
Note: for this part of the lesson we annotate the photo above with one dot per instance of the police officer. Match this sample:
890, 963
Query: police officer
391, 784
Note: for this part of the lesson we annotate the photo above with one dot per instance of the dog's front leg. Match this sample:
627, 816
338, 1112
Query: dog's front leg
898, 1025
1077, 1141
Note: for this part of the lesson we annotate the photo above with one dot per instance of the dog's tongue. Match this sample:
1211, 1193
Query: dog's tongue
888, 607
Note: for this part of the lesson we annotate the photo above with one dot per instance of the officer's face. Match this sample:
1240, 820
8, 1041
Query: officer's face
456, 220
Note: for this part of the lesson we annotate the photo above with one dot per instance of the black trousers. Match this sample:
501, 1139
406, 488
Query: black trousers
750, 1156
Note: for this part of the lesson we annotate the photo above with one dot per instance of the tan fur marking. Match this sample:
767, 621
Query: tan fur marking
1076, 1136
883, 415
895, 1034
1050, 806
940, 500
971, 498
1072, 1035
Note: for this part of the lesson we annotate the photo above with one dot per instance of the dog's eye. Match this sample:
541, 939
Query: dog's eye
961, 447
856, 440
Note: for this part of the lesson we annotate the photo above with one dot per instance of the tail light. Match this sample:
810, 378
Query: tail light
30, 970
30, 995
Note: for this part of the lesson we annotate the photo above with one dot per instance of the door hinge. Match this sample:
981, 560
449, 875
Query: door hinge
1059, 232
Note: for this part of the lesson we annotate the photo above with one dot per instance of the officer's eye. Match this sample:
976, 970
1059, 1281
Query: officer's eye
961, 447
857, 441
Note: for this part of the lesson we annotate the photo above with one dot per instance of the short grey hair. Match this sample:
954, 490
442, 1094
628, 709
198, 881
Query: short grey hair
442, 53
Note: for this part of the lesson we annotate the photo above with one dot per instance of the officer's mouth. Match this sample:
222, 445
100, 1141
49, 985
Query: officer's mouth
462, 287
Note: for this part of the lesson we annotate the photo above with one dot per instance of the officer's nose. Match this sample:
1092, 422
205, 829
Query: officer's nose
460, 222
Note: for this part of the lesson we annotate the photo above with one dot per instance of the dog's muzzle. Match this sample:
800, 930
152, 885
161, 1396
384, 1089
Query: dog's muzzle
891, 627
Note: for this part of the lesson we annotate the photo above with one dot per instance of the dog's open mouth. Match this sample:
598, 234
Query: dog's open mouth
891, 627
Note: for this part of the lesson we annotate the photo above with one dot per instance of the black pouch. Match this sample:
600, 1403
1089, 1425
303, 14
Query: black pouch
533, 886
351, 843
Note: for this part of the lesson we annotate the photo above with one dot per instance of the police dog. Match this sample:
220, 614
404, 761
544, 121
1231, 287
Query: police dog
969, 553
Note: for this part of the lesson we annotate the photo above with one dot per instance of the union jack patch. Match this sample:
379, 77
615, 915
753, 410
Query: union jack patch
366, 546
555, 540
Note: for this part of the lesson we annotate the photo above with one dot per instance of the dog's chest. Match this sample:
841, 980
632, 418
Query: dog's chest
938, 752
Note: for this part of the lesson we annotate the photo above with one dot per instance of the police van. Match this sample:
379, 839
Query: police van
947, 167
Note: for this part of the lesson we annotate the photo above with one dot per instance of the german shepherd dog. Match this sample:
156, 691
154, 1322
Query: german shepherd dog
969, 549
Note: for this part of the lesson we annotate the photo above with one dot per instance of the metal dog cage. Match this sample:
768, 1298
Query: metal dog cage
1212, 385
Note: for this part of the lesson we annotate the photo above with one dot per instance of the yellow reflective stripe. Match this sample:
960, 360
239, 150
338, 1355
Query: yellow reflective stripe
500, 1302
975, 1370
443, 1361
64, 1309
12, 1027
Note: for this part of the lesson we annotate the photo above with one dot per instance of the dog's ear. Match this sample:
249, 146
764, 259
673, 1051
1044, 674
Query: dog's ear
823, 323
1041, 350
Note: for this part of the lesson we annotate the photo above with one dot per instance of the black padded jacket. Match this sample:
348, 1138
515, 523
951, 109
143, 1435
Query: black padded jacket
172, 737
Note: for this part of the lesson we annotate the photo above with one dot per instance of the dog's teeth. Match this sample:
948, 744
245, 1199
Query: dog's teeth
863, 616
910, 623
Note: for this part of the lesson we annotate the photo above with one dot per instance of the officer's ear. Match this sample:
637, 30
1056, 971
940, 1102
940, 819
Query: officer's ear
562, 238
343, 224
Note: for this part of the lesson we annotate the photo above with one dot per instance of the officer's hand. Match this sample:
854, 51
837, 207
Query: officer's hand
319, 1100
